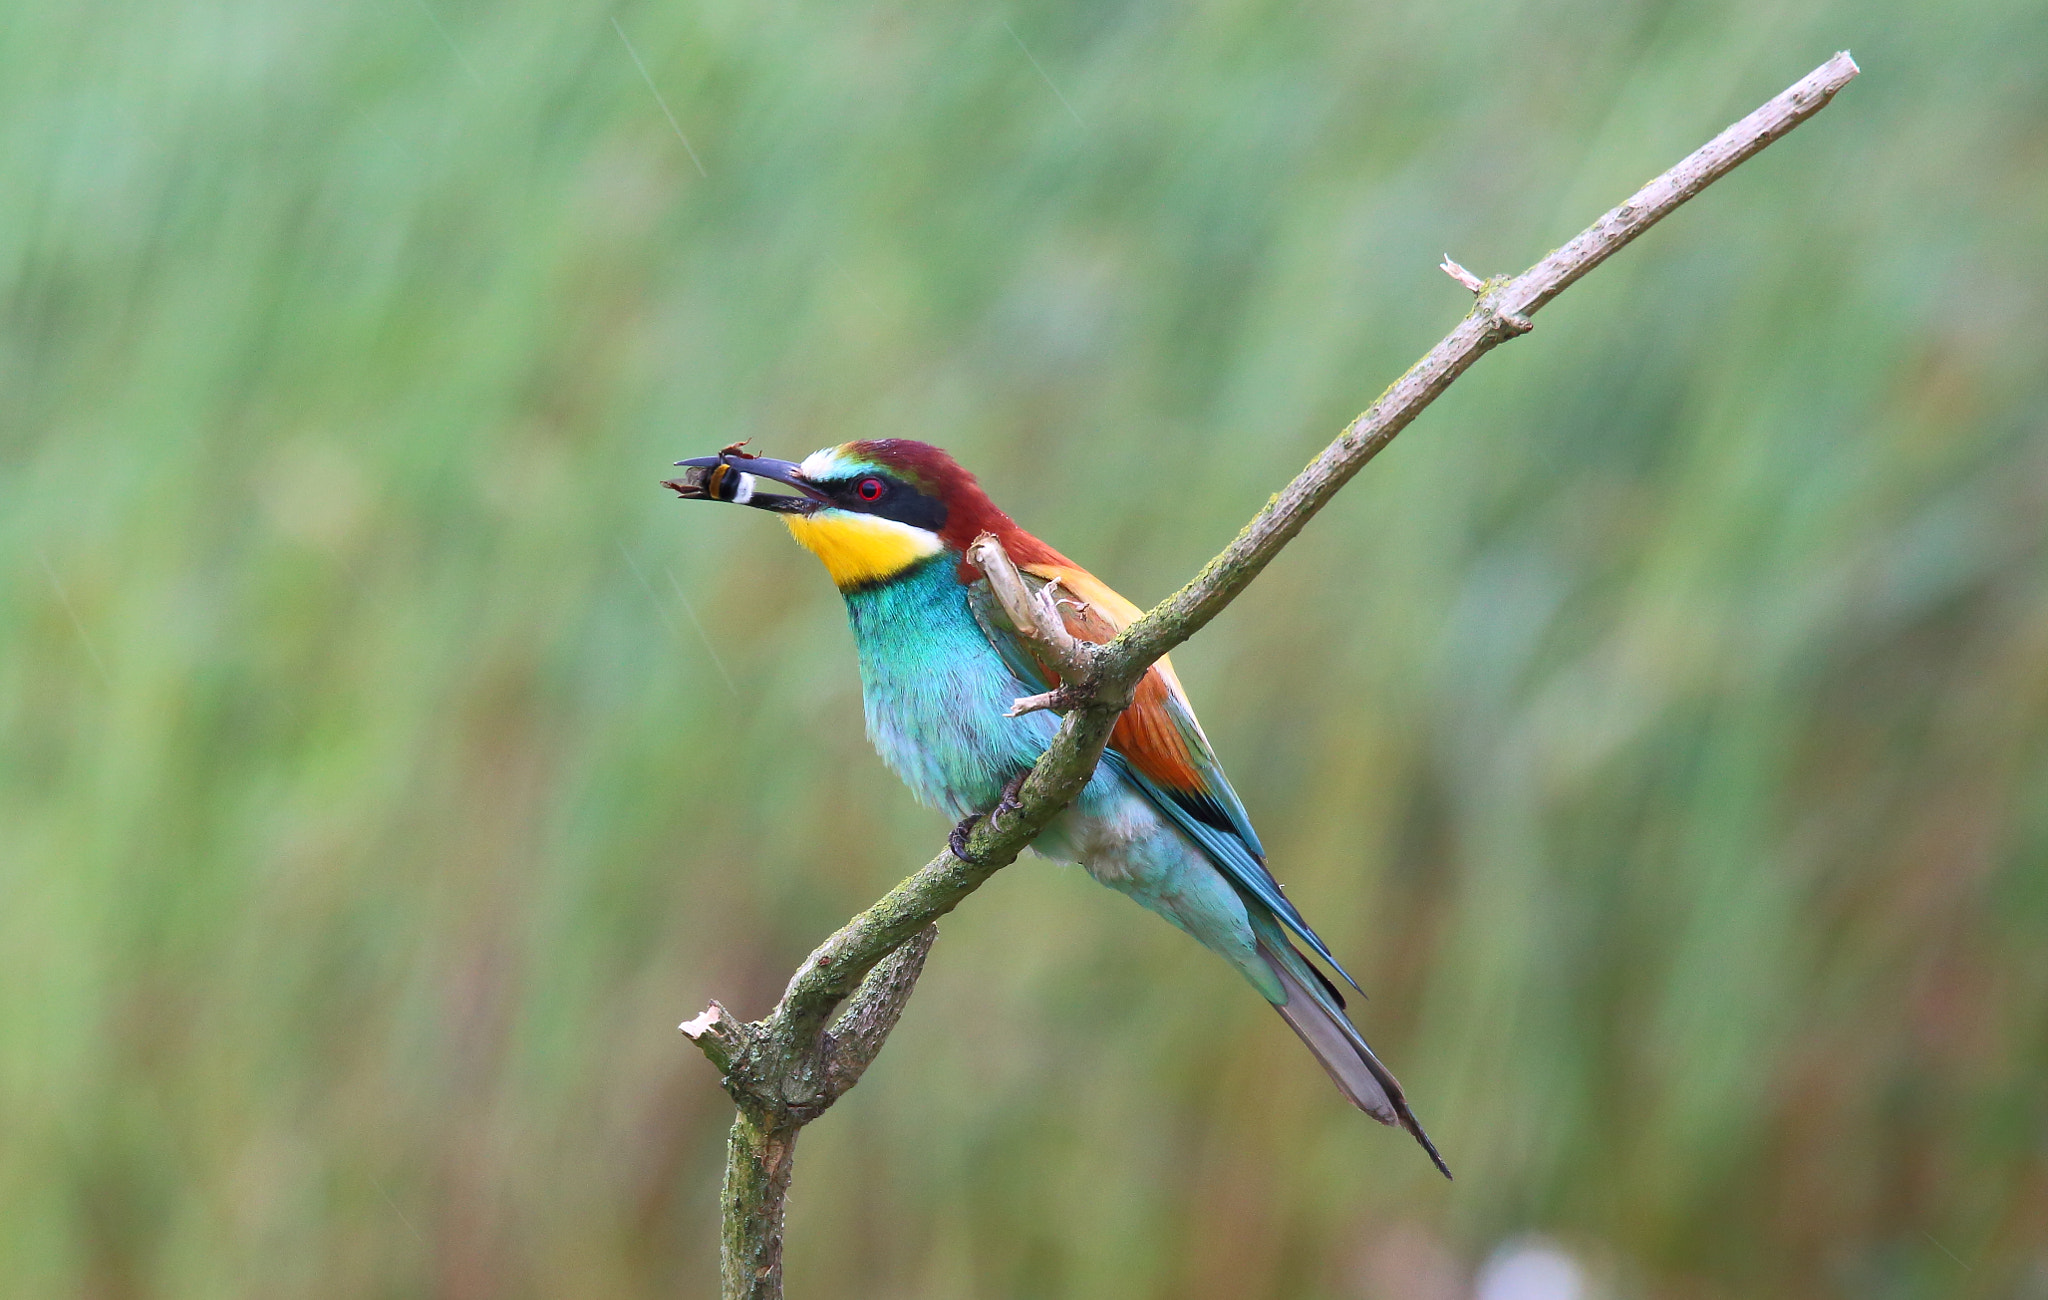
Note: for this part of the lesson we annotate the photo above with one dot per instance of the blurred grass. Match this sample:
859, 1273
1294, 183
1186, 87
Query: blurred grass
1660, 730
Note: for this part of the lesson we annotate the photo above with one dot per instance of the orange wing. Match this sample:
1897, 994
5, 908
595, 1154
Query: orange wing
1149, 734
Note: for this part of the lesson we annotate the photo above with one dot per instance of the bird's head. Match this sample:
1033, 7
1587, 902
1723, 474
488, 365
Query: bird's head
869, 510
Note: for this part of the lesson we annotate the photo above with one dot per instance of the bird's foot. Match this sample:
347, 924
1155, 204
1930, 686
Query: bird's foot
962, 829
1009, 803
957, 841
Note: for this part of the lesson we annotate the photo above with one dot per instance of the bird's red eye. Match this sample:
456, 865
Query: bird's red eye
868, 489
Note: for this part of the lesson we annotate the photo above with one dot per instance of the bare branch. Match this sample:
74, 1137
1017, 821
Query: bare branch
1550, 277
873, 1011
785, 1069
1461, 275
839, 964
1500, 314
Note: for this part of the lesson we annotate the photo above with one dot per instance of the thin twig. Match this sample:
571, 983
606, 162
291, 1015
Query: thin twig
781, 1069
1023, 704
1499, 315
1461, 275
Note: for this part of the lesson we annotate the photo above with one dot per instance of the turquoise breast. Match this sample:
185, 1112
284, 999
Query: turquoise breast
936, 691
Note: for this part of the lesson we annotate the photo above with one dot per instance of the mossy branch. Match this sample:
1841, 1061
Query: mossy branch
785, 1069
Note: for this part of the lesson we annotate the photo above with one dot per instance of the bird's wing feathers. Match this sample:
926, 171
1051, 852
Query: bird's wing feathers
1160, 743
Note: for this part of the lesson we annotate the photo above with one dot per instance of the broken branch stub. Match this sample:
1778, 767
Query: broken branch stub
1036, 616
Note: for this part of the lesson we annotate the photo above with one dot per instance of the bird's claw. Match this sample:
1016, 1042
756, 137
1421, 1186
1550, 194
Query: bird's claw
1009, 803
962, 829
957, 841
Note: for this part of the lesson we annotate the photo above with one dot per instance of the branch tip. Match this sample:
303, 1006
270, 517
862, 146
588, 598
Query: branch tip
1461, 275
1024, 704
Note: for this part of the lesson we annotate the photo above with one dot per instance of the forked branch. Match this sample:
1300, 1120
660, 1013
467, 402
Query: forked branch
786, 1068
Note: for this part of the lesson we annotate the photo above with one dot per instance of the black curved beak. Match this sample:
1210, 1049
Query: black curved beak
729, 476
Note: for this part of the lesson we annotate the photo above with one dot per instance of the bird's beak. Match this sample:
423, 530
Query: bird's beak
729, 476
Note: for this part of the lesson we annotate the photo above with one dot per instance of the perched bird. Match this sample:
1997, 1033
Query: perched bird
940, 667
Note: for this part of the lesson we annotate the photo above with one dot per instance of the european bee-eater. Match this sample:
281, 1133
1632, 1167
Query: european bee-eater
940, 667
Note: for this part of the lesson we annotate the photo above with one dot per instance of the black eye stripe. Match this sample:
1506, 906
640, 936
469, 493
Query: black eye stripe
888, 498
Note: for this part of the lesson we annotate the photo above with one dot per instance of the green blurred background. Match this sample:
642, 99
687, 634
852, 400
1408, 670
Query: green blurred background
1659, 730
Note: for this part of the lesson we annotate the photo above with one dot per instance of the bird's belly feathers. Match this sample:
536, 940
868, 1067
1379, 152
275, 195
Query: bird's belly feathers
936, 691
1126, 843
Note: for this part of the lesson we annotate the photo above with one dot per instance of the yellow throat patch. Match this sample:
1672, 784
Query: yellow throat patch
860, 549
